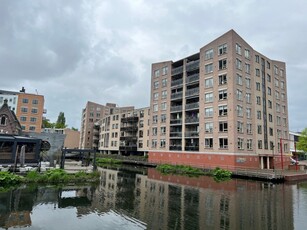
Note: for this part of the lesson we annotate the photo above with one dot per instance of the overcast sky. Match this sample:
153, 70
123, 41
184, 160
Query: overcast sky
74, 51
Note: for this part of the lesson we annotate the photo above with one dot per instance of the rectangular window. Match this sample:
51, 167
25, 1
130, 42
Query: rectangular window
209, 97
34, 101
223, 143
164, 94
270, 118
24, 109
249, 144
222, 49
32, 128
208, 143
223, 94
248, 83
259, 129
208, 68
282, 85
157, 73
269, 78
156, 96
258, 100
163, 118
247, 68
257, 58
260, 144
154, 143
223, 110
277, 95
155, 108
270, 104
248, 113
257, 72
222, 79
239, 111
222, 64
240, 143
164, 70
163, 106
239, 79
209, 127
154, 131
23, 119
259, 115
162, 143
258, 88
238, 49
239, 95
268, 64
156, 85
271, 131
249, 128
247, 54
209, 112
33, 119
269, 91
155, 119
163, 130
25, 100
164, 82
209, 54
248, 98
208, 82
238, 64
240, 127
276, 82
223, 126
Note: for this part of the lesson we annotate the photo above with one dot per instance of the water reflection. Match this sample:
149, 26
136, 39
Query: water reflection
129, 200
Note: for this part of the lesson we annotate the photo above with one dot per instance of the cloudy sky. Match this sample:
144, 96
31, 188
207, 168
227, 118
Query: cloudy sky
74, 51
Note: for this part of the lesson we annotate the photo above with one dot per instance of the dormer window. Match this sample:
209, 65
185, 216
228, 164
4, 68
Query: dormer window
3, 120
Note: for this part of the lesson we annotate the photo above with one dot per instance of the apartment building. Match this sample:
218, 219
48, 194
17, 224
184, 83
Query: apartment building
29, 108
125, 131
224, 106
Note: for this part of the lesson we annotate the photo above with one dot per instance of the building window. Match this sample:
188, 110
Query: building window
259, 129
277, 95
34, 111
34, 101
3, 120
275, 70
258, 88
240, 127
156, 85
269, 78
162, 143
163, 130
270, 104
164, 82
222, 79
165, 70
248, 83
223, 126
164, 94
270, 118
23, 119
269, 91
259, 144
249, 128
277, 107
223, 143
258, 100
276, 82
223, 110
247, 53
209, 54
209, 112
240, 143
32, 128
163, 118
238, 49
271, 131
268, 64
208, 143
156, 96
239, 111
248, 113
247, 68
208, 68
163, 106
222, 49
222, 64
154, 131
157, 73
239, 95
33, 119
25, 100
257, 58
155, 119
209, 97
239, 79
248, 98
257, 72
208, 82
23, 127
259, 115
282, 84
155, 108
249, 144
209, 127
238, 64
24, 109
154, 143
223, 94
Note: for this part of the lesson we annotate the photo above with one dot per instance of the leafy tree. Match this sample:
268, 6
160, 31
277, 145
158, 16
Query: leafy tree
60, 123
74, 129
302, 141
47, 124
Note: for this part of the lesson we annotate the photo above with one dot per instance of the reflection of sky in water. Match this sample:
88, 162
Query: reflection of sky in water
47, 217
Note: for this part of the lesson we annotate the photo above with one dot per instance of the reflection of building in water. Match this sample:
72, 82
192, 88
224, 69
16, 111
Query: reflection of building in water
205, 204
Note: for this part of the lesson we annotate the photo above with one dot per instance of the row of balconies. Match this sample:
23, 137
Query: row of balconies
190, 79
187, 134
178, 108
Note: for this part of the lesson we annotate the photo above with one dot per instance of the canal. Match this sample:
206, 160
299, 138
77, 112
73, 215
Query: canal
145, 199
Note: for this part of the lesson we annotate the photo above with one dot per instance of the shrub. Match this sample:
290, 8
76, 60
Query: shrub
9, 178
221, 174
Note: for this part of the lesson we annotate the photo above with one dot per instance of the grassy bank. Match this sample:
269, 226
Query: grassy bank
107, 161
49, 177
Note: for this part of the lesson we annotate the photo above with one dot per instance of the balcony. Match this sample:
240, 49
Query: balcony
192, 92
175, 134
177, 108
192, 65
192, 106
192, 78
175, 148
190, 120
191, 148
129, 128
191, 134
176, 82
177, 70
128, 148
176, 95
176, 121
129, 119
128, 138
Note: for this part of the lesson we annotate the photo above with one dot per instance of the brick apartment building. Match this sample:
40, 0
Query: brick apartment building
29, 108
223, 106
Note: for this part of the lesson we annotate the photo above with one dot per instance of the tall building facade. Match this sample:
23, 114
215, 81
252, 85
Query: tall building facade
223, 106
29, 108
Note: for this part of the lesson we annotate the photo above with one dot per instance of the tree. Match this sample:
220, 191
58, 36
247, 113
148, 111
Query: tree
47, 124
302, 141
60, 123
74, 129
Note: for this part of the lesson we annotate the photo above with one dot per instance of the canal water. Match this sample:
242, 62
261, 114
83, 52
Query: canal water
145, 199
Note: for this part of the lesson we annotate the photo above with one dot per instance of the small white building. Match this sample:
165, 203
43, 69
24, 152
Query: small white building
293, 137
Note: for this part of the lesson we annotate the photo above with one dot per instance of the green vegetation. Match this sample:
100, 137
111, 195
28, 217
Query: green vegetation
221, 174
217, 173
107, 161
50, 177
61, 121
302, 141
180, 169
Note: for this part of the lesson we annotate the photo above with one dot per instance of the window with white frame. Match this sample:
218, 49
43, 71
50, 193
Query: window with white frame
270, 104
156, 96
223, 143
163, 130
248, 97
282, 84
208, 143
249, 144
259, 144
247, 68
268, 64
163, 106
239, 111
164, 70
248, 113
162, 143
258, 100
239, 95
209, 97
209, 54
222, 49
154, 131
223, 126
257, 58
257, 72
209, 127
223, 94
238, 64
259, 115
163, 118
258, 86
157, 73
277, 95
223, 110
249, 128
156, 84
208, 82
238, 49
222, 64
154, 143
209, 68
155, 119
222, 79
209, 112
239, 79
247, 53
269, 78
269, 90
276, 82
248, 83
259, 129
155, 107
164, 94
240, 126
240, 143
164, 82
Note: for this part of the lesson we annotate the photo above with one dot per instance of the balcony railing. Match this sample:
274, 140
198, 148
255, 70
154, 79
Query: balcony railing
129, 128
175, 134
192, 106
176, 108
175, 148
176, 95
177, 70
192, 65
192, 78
176, 121
128, 148
192, 92
191, 134
191, 148
192, 120
177, 82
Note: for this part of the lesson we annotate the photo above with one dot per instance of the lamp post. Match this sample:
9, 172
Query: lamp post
273, 146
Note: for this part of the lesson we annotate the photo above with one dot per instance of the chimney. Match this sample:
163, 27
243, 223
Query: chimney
23, 90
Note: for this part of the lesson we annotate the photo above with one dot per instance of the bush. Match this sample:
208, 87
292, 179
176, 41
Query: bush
221, 174
9, 178
179, 169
